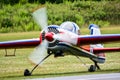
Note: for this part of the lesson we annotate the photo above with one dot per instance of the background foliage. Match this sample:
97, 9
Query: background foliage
15, 15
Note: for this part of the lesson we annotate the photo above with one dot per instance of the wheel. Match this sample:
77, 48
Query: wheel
27, 72
92, 68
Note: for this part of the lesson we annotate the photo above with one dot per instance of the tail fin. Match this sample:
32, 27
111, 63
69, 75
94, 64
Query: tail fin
94, 30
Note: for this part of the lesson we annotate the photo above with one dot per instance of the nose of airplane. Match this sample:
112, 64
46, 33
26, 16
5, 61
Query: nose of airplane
49, 36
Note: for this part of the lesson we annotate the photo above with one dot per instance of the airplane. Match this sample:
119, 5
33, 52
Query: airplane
60, 42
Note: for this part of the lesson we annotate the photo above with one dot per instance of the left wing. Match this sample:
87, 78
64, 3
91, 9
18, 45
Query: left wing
25, 43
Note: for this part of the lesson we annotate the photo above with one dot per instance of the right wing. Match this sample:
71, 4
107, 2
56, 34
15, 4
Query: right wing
25, 43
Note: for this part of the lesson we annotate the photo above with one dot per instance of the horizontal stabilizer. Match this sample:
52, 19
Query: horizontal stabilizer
98, 50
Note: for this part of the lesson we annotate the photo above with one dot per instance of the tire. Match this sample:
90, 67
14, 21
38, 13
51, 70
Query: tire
27, 72
92, 68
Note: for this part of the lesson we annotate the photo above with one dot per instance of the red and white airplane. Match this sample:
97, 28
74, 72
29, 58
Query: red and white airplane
57, 41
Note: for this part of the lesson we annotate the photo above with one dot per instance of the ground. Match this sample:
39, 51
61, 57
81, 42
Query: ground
12, 68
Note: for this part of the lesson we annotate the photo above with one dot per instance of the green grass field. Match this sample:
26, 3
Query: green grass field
12, 68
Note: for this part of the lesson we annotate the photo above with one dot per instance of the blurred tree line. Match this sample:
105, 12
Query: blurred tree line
15, 15
32, 1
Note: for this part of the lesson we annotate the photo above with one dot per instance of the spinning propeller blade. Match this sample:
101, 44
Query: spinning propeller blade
40, 17
38, 55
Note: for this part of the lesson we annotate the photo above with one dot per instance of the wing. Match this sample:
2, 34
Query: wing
94, 39
20, 43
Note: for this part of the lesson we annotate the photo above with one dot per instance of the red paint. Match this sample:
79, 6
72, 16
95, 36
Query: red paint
40, 38
19, 44
96, 50
97, 39
101, 50
49, 36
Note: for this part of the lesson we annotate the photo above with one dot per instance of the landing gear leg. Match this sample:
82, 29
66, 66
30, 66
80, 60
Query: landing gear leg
28, 73
98, 67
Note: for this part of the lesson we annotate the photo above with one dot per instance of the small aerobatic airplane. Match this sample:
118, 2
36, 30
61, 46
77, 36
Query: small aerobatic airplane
57, 41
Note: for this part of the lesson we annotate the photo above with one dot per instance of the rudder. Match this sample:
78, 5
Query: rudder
94, 30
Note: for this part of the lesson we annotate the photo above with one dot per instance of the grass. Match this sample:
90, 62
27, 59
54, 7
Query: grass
12, 68
19, 35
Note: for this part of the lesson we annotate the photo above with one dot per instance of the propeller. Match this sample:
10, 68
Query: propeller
40, 52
